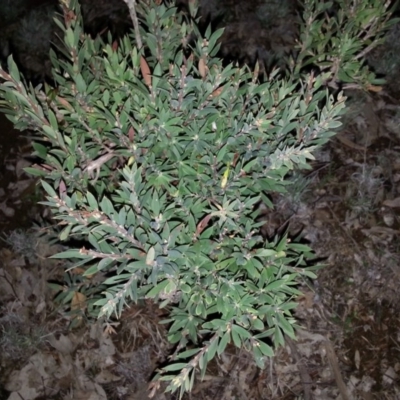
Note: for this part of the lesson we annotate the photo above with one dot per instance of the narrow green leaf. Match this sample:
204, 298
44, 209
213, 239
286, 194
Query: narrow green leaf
65, 232
70, 254
265, 349
175, 367
157, 289
212, 349
236, 339
35, 172
150, 256
285, 325
226, 338
92, 201
188, 353
243, 333
50, 191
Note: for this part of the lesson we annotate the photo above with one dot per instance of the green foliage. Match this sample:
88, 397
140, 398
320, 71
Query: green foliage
338, 35
157, 159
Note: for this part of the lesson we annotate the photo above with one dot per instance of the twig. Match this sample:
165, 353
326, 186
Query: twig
94, 166
349, 143
330, 352
344, 229
132, 11
304, 375
10, 283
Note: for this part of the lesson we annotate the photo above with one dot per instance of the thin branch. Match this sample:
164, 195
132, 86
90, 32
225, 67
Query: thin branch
306, 380
132, 11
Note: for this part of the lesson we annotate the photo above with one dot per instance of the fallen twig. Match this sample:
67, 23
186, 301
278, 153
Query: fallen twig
306, 380
330, 352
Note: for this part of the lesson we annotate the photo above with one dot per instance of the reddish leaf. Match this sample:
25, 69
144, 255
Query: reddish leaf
202, 224
131, 134
144, 67
62, 189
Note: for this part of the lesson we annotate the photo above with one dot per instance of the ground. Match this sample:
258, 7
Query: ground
348, 341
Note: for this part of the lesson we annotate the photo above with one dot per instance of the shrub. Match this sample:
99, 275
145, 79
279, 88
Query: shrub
156, 158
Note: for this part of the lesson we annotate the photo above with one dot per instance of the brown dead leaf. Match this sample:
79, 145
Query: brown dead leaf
144, 68
78, 301
105, 376
7, 211
202, 224
63, 344
153, 388
394, 203
373, 88
357, 359
64, 103
131, 134
27, 383
6, 255
78, 271
256, 71
203, 69
306, 300
216, 92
